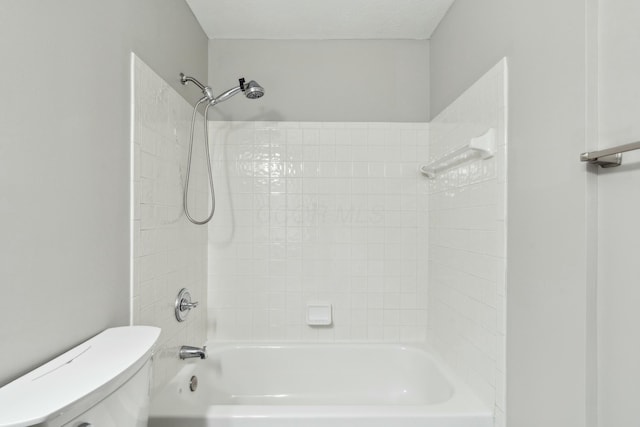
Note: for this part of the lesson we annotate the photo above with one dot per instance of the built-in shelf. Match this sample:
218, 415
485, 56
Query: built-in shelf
483, 147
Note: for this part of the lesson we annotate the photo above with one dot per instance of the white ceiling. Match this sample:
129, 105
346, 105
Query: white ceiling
319, 19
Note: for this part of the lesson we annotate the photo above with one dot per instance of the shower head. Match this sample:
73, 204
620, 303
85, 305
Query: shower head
252, 90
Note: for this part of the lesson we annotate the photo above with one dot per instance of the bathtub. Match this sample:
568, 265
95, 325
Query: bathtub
317, 385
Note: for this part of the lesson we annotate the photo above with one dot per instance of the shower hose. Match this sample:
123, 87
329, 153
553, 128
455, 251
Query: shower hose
206, 148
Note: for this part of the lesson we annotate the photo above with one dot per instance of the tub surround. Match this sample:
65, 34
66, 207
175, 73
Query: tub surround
338, 213
325, 214
169, 253
318, 213
467, 242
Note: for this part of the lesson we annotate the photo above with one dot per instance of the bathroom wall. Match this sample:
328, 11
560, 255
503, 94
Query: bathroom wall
318, 212
169, 252
618, 213
64, 162
551, 345
324, 80
467, 242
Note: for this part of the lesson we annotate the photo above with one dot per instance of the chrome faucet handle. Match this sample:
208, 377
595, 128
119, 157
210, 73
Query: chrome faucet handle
187, 305
184, 304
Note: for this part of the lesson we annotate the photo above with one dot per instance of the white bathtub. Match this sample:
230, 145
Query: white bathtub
317, 385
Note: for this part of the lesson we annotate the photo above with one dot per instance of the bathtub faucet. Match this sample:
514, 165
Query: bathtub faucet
188, 352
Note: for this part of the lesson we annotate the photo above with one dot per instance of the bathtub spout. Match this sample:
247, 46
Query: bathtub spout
188, 352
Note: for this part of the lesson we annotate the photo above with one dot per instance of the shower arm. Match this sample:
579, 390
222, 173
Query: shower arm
186, 79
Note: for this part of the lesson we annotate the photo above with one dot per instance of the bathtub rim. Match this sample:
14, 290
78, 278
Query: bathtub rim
463, 403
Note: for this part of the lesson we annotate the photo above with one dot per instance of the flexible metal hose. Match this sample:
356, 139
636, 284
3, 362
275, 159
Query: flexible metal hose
206, 148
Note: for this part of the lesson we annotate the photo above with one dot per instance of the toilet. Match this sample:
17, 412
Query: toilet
103, 382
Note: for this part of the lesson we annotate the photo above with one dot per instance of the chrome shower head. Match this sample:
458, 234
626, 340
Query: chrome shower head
253, 90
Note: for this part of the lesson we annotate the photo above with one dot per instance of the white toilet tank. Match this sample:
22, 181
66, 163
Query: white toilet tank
103, 382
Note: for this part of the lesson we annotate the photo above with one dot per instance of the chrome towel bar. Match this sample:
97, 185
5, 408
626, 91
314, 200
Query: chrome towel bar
610, 157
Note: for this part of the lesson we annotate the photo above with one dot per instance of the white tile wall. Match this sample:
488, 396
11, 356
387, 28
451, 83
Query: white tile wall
467, 242
318, 212
169, 253
325, 212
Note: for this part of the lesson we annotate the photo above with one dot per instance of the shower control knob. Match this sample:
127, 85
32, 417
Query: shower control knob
184, 304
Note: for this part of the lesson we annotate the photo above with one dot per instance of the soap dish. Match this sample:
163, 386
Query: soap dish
319, 314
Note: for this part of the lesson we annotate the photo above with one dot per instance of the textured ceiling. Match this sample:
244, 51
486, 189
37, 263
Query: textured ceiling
319, 19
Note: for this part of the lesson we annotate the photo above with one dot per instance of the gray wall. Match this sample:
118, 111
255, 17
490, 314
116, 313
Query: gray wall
324, 80
618, 213
550, 340
64, 162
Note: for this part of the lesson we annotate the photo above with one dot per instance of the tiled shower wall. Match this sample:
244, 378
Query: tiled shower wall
169, 253
467, 242
325, 212
318, 212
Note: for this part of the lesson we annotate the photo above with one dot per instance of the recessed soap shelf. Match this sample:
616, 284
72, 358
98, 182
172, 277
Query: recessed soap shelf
319, 314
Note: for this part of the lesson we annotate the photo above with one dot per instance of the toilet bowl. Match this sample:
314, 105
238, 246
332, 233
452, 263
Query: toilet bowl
103, 382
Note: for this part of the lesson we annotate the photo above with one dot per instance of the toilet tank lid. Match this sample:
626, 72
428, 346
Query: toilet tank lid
81, 377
